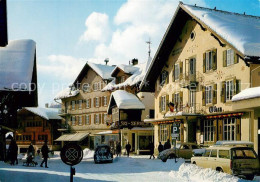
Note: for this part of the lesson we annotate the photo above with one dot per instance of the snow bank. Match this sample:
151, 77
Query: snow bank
16, 65
191, 172
248, 93
88, 154
241, 31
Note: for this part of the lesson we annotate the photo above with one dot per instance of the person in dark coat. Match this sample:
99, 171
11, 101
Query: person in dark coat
118, 149
45, 151
12, 151
151, 148
160, 147
30, 150
128, 147
167, 145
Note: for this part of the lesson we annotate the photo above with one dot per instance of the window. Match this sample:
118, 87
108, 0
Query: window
163, 77
207, 153
97, 101
209, 60
229, 90
86, 87
88, 119
66, 107
192, 98
229, 129
73, 105
208, 131
246, 153
105, 118
177, 99
208, 94
80, 120
97, 86
177, 72
115, 114
122, 79
164, 132
230, 57
73, 120
105, 100
80, 104
213, 153
88, 103
43, 137
192, 66
224, 154
151, 113
96, 118
163, 104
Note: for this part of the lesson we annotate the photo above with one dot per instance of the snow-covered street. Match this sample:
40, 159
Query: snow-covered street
134, 168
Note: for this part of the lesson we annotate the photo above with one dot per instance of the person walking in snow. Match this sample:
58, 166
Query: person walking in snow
118, 149
30, 150
45, 151
12, 151
151, 147
167, 145
160, 147
128, 147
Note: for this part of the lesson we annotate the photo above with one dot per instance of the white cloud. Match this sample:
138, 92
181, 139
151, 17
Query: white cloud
97, 28
136, 22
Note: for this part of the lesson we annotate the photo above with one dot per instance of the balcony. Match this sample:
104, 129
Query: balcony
194, 108
188, 80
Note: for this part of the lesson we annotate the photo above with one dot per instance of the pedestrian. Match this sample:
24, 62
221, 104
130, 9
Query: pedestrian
12, 152
160, 147
30, 150
118, 149
128, 147
45, 151
151, 147
167, 145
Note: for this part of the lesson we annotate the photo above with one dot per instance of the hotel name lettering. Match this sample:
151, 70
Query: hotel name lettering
131, 123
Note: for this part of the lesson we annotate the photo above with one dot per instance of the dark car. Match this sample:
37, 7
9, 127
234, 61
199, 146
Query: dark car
103, 154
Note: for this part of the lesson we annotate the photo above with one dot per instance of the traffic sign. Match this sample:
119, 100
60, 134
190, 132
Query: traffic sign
71, 154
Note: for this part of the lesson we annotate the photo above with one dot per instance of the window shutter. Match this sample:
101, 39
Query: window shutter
173, 95
235, 85
225, 58
83, 104
215, 94
89, 103
160, 104
100, 119
238, 128
102, 101
215, 130
214, 66
90, 119
173, 73
236, 58
167, 102
220, 129
223, 92
94, 102
181, 70
204, 62
203, 96
167, 77
238, 86
181, 98
182, 133
99, 99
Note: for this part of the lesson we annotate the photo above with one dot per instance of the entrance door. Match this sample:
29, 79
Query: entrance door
192, 131
133, 142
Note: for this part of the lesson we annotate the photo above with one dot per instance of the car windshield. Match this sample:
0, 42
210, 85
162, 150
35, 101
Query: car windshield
243, 154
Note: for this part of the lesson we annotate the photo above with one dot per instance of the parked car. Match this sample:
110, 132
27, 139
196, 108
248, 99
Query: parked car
103, 154
238, 159
185, 150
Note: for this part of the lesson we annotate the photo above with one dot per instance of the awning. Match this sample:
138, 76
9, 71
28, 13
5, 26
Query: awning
72, 137
109, 132
163, 121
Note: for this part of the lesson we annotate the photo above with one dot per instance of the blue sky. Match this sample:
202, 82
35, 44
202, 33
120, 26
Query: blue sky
70, 32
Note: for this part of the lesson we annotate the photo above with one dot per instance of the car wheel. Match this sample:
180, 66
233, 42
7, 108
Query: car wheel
219, 169
171, 156
164, 160
250, 177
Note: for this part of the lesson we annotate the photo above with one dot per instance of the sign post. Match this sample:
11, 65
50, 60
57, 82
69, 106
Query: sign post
71, 154
175, 135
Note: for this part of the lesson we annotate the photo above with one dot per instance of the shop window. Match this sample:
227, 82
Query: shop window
229, 129
208, 131
164, 132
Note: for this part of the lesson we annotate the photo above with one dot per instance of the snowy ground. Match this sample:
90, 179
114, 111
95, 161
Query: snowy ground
134, 168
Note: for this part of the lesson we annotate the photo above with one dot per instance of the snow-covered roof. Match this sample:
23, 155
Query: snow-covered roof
248, 93
66, 93
16, 65
241, 31
126, 100
180, 113
130, 69
46, 113
137, 76
102, 70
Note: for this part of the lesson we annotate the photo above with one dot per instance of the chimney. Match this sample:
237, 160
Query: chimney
3, 24
106, 60
134, 61
46, 105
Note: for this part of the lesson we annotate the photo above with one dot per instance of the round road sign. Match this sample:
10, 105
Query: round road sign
71, 154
